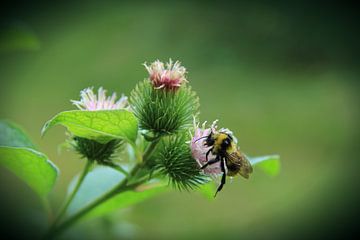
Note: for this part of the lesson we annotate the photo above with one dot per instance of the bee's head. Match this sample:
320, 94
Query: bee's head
210, 140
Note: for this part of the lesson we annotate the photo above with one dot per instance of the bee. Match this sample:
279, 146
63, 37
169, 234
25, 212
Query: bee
232, 160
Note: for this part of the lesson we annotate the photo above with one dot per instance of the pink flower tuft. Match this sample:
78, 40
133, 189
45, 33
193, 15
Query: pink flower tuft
91, 102
198, 149
170, 77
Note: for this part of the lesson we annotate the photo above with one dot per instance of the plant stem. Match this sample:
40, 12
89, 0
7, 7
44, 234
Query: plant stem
73, 193
150, 149
121, 187
117, 189
117, 167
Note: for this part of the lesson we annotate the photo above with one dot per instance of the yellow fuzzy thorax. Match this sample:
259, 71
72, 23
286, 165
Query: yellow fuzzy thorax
219, 138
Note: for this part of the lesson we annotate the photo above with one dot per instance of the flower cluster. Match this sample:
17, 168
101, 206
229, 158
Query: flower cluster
161, 136
165, 108
170, 77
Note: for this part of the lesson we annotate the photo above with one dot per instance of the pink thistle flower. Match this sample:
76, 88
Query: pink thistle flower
199, 150
170, 77
91, 102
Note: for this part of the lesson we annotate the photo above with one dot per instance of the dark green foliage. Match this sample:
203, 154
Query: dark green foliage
174, 160
95, 151
164, 111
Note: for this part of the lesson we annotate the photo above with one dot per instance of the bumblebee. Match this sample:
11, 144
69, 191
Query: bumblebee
232, 161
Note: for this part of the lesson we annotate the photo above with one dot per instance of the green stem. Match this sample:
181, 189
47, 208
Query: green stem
117, 189
73, 193
121, 187
150, 149
117, 167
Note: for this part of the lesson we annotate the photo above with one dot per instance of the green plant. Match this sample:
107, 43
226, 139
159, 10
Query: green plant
157, 125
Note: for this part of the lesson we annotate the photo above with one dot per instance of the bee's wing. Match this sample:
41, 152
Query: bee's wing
241, 160
246, 168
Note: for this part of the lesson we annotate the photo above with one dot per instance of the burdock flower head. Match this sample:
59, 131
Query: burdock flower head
163, 103
199, 149
91, 149
91, 102
170, 77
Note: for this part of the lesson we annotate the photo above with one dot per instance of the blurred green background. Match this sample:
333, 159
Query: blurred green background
282, 76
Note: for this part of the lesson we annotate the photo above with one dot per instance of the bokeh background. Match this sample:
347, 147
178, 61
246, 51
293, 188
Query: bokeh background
283, 76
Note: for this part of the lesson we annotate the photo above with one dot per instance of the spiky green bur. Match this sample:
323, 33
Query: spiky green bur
173, 159
102, 153
162, 111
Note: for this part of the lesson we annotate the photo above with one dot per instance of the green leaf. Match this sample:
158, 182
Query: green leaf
101, 126
12, 135
18, 154
269, 164
101, 180
31, 166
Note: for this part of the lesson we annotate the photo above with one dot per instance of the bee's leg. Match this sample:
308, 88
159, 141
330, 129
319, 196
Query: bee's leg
207, 153
223, 178
212, 161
